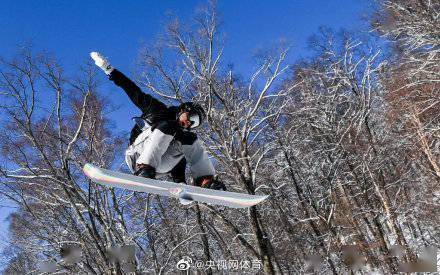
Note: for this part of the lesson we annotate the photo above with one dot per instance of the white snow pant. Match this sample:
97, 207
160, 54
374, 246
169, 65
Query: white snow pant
163, 152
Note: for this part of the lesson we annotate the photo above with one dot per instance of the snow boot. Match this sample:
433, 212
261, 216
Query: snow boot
217, 185
146, 171
212, 183
101, 62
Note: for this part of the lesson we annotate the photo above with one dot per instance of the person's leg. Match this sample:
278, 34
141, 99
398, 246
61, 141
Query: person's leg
198, 159
135, 149
130, 158
202, 169
178, 172
153, 149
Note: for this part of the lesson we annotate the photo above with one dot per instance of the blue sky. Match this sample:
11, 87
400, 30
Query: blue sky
71, 29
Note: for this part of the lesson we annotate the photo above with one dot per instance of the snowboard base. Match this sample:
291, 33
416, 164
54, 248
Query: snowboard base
185, 193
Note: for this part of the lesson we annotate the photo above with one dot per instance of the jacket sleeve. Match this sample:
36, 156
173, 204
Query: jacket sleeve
145, 102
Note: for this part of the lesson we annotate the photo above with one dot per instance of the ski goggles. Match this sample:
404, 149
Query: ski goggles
194, 119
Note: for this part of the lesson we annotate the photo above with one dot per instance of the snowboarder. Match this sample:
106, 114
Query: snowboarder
161, 141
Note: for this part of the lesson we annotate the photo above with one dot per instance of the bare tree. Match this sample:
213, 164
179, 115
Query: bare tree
237, 112
52, 127
414, 78
344, 142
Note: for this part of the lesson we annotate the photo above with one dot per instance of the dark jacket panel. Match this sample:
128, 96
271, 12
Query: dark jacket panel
156, 113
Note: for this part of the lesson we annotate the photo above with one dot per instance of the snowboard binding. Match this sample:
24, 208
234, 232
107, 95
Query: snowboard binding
217, 185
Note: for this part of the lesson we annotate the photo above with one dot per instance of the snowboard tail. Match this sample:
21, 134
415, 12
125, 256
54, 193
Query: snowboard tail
185, 193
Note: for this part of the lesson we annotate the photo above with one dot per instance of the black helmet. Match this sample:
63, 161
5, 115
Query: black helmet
196, 113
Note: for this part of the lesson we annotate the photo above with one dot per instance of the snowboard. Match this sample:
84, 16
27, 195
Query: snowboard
185, 193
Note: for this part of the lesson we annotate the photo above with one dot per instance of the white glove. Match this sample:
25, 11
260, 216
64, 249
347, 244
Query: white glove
101, 62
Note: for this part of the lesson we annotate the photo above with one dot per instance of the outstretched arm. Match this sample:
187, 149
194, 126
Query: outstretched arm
143, 101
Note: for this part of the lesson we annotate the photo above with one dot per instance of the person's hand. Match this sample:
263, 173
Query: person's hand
101, 62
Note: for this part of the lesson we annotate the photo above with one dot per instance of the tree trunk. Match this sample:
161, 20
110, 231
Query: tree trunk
204, 237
